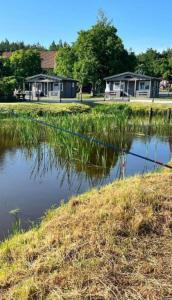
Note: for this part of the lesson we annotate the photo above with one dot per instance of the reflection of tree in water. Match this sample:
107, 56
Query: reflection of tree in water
83, 157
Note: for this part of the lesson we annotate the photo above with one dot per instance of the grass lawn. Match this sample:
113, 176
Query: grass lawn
112, 243
137, 108
57, 108
41, 108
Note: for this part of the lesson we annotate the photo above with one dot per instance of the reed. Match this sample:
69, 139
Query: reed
119, 129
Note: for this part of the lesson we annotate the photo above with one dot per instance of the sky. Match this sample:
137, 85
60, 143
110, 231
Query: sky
141, 24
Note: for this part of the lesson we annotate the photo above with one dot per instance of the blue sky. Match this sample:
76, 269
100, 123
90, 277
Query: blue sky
141, 23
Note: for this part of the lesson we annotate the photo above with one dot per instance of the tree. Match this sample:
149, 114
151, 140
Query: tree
13, 46
53, 46
154, 63
65, 60
103, 51
147, 61
25, 63
97, 53
56, 47
7, 86
5, 67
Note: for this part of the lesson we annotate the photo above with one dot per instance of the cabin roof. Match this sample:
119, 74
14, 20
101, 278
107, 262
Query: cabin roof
123, 76
48, 77
47, 58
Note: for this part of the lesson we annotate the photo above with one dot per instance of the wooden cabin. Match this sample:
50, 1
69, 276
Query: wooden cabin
130, 84
43, 85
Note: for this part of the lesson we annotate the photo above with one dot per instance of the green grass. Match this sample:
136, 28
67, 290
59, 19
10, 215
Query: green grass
42, 109
139, 109
112, 243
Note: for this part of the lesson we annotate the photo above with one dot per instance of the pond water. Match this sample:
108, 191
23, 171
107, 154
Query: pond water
34, 177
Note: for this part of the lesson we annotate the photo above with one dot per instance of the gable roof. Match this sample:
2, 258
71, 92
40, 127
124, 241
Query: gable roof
47, 58
132, 75
6, 54
42, 77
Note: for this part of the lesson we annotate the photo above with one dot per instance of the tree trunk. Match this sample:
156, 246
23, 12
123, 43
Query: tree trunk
93, 90
81, 92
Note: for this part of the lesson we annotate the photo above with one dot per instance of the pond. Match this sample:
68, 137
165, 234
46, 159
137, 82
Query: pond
41, 167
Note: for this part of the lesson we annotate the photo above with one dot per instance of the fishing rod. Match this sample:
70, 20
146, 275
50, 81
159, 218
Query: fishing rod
98, 142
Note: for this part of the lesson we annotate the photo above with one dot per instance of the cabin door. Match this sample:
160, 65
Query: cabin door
131, 88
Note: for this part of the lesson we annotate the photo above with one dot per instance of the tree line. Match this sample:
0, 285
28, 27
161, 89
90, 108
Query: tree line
97, 52
7, 46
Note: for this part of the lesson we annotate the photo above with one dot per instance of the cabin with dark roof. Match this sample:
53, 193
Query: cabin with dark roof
130, 84
43, 85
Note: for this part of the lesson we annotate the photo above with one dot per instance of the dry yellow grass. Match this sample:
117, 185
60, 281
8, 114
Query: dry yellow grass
112, 243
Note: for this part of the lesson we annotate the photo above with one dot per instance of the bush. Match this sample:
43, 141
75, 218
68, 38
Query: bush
7, 87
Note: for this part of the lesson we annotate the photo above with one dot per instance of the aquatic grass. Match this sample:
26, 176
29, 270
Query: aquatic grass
112, 129
135, 109
16, 226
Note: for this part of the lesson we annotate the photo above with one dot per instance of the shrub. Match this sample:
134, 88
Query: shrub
7, 86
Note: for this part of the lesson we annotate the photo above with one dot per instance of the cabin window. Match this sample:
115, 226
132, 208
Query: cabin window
144, 85
116, 86
73, 85
147, 85
56, 86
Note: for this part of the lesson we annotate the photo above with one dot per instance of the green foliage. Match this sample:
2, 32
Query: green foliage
154, 63
16, 227
56, 46
97, 52
65, 61
100, 52
5, 67
45, 109
122, 109
25, 63
13, 46
7, 86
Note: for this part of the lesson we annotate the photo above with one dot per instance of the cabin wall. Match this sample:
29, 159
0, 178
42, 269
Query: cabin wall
155, 86
69, 89
133, 88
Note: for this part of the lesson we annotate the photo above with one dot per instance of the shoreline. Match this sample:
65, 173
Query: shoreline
118, 236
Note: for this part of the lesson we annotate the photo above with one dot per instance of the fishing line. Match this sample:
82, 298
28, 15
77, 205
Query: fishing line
98, 142
94, 140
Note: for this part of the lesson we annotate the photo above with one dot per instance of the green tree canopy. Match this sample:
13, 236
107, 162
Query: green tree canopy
97, 53
65, 59
102, 50
6, 45
7, 86
56, 46
25, 63
154, 63
5, 67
